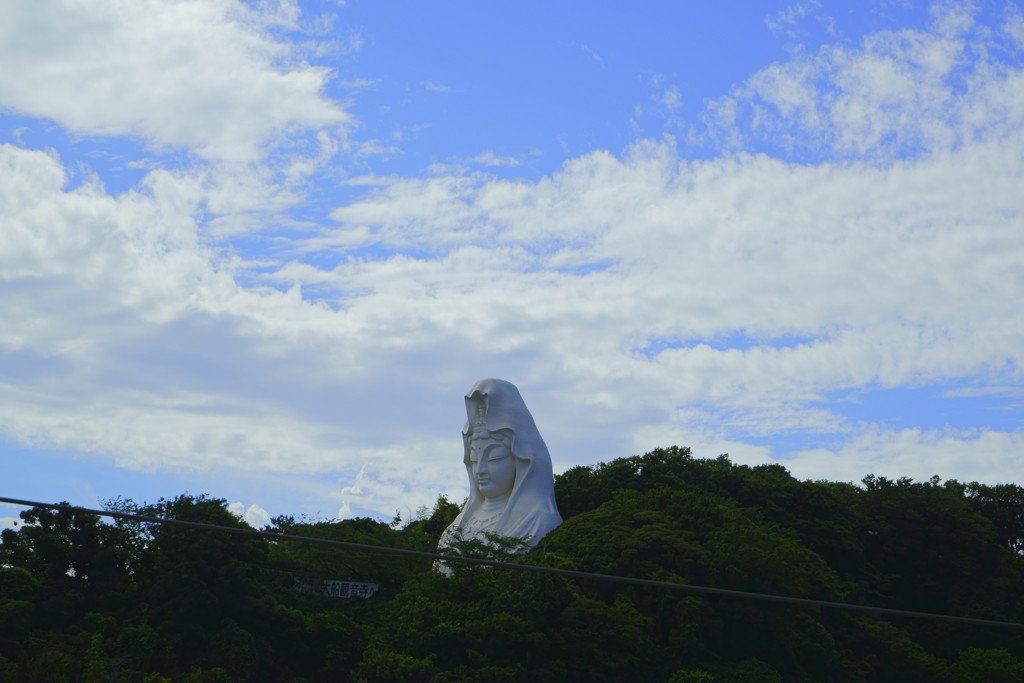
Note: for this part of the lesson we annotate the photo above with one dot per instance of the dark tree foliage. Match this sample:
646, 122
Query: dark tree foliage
84, 599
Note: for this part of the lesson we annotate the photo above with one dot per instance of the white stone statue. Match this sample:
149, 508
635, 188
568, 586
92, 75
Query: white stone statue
511, 484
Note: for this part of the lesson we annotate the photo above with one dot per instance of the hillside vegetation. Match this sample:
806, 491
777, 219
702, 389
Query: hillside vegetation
86, 600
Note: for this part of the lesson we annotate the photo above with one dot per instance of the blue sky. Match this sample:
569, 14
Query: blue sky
261, 250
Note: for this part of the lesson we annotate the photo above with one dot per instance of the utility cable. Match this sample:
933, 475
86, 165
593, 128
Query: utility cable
363, 547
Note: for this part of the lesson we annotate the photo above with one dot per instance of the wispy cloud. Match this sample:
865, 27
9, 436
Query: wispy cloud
976, 392
587, 50
670, 98
785, 20
489, 158
900, 92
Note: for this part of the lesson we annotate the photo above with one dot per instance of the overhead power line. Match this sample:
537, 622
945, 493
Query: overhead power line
363, 547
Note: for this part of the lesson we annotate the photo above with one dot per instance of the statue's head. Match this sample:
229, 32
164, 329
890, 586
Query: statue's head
497, 421
507, 463
491, 461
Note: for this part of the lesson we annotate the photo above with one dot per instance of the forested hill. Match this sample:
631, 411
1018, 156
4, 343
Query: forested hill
86, 600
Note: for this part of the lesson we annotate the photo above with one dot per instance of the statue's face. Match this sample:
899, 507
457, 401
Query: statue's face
494, 468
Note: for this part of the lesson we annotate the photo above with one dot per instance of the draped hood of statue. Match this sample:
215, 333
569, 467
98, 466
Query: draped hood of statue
511, 483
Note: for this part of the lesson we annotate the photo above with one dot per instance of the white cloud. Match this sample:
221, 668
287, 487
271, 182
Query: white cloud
489, 158
785, 19
973, 392
892, 272
636, 300
257, 517
206, 76
985, 456
127, 339
254, 516
899, 92
670, 98
589, 51
878, 267
107, 301
891, 275
1014, 25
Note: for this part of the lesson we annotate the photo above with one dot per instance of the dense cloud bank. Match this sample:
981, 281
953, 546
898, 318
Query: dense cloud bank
857, 230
